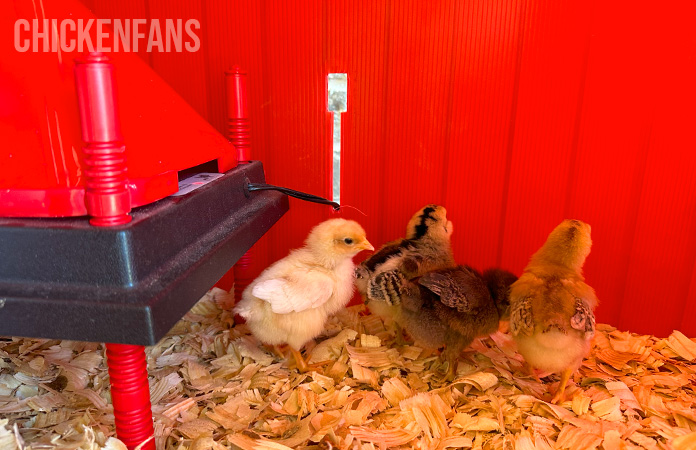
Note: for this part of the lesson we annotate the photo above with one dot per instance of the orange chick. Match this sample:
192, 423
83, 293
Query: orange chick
292, 299
551, 308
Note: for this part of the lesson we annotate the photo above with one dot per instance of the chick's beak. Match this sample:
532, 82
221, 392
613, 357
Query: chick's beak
365, 245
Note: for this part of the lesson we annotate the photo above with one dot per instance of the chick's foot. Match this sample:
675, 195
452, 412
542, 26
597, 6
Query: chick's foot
560, 393
303, 366
274, 350
451, 373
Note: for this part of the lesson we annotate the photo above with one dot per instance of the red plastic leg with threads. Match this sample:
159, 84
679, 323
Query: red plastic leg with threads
242, 274
238, 121
106, 195
130, 395
108, 203
239, 133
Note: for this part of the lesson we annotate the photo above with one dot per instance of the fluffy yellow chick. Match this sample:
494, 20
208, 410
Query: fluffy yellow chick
552, 309
292, 299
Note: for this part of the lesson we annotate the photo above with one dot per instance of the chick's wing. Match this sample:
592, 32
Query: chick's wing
309, 289
585, 301
521, 319
460, 289
388, 250
523, 294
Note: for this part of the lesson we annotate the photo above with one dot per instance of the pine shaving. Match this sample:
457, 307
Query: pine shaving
682, 346
213, 386
331, 349
685, 442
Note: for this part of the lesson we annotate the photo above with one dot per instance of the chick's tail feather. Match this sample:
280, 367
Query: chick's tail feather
242, 309
555, 322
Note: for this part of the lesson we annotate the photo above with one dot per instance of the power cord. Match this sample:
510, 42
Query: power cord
293, 193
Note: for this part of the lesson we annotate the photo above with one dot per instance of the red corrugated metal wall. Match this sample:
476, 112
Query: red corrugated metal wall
514, 114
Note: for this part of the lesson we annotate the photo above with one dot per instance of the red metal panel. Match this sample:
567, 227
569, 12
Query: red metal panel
297, 123
614, 132
553, 64
357, 44
483, 95
394, 54
421, 37
688, 324
663, 254
662, 257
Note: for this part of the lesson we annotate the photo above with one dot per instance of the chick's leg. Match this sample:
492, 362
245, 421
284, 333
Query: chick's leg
532, 372
303, 366
451, 368
274, 349
300, 362
454, 344
278, 351
565, 376
399, 335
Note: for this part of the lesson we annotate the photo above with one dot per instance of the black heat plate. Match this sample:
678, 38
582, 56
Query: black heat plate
65, 279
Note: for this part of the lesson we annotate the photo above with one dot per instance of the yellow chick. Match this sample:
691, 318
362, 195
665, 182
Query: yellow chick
551, 307
292, 299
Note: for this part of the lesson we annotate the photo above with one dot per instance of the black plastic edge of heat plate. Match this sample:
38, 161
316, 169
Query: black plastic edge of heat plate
65, 279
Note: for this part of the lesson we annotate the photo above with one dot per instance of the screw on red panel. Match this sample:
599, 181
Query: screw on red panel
106, 195
238, 121
130, 395
239, 133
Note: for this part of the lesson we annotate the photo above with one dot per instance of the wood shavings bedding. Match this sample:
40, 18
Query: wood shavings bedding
214, 387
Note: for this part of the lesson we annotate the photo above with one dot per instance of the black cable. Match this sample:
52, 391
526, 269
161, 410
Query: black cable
293, 193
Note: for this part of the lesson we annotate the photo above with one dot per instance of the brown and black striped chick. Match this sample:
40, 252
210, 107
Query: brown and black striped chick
451, 307
426, 247
551, 308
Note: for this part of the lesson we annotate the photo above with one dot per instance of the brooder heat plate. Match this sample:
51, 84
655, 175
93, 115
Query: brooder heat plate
65, 279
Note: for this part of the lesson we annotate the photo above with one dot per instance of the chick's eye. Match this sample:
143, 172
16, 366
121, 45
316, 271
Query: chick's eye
348, 241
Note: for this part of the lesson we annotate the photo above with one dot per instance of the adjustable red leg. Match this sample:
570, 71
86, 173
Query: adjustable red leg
108, 202
239, 133
130, 395
238, 121
106, 196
